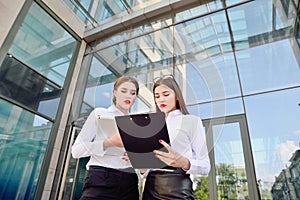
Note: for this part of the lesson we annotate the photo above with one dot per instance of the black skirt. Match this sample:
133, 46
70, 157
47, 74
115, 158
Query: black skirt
103, 183
168, 185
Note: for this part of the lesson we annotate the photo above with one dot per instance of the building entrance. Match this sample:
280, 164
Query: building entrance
232, 173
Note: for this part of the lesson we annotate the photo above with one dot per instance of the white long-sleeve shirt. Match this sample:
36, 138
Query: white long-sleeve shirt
187, 137
87, 144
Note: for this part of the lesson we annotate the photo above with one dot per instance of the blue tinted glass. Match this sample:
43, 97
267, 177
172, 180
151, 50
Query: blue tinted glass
100, 86
233, 2
273, 120
270, 22
218, 108
23, 140
199, 10
44, 45
203, 37
212, 79
268, 67
20, 83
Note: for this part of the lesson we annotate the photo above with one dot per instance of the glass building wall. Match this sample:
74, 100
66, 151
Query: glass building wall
238, 66
93, 12
237, 62
33, 76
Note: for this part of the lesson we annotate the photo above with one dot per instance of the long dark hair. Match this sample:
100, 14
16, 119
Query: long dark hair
172, 84
124, 79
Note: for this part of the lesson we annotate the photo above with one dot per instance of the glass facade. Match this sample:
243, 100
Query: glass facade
44, 45
274, 139
24, 138
223, 56
237, 63
264, 64
92, 12
17, 80
33, 75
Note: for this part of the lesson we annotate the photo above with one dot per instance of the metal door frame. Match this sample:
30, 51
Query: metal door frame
66, 167
247, 150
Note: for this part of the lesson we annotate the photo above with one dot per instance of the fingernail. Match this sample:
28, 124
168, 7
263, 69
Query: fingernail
154, 151
160, 141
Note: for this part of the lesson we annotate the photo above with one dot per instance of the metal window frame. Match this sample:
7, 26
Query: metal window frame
247, 150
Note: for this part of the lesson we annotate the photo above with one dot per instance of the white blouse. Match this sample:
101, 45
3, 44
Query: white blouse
187, 137
87, 144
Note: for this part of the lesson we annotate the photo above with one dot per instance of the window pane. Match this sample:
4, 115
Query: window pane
268, 67
99, 89
212, 79
232, 2
229, 159
269, 23
151, 51
44, 45
199, 10
218, 108
202, 37
23, 140
274, 127
27, 87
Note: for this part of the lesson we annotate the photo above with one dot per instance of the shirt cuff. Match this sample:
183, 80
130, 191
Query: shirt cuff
97, 148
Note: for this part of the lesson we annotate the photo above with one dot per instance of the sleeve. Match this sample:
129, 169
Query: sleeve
200, 163
85, 145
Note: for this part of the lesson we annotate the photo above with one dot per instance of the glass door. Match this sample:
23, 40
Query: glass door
74, 171
232, 173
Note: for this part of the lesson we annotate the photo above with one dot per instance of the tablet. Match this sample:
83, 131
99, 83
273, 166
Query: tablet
140, 134
106, 125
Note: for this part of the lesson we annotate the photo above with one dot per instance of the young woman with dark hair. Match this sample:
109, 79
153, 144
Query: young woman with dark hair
187, 151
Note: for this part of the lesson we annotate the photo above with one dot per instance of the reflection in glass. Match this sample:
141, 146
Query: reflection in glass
201, 187
218, 108
23, 140
82, 8
202, 37
268, 67
294, 170
268, 24
44, 45
231, 175
98, 92
199, 10
27, 87
273, 120
206, 69
152, 51
233, 2
97, 11
99, 89
212, 79
72, 178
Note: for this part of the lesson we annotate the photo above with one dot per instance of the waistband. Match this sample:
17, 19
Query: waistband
176, 171
107, 169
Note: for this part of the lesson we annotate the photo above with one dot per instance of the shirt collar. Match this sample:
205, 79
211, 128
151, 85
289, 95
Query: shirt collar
115, 110
175, 113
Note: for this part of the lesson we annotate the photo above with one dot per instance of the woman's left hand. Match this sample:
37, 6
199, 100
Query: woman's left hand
172, 158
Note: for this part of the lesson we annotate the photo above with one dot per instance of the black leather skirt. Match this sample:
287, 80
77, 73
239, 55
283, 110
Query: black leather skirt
168, 185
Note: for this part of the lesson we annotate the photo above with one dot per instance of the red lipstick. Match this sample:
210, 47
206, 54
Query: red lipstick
163, 105
127, 101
